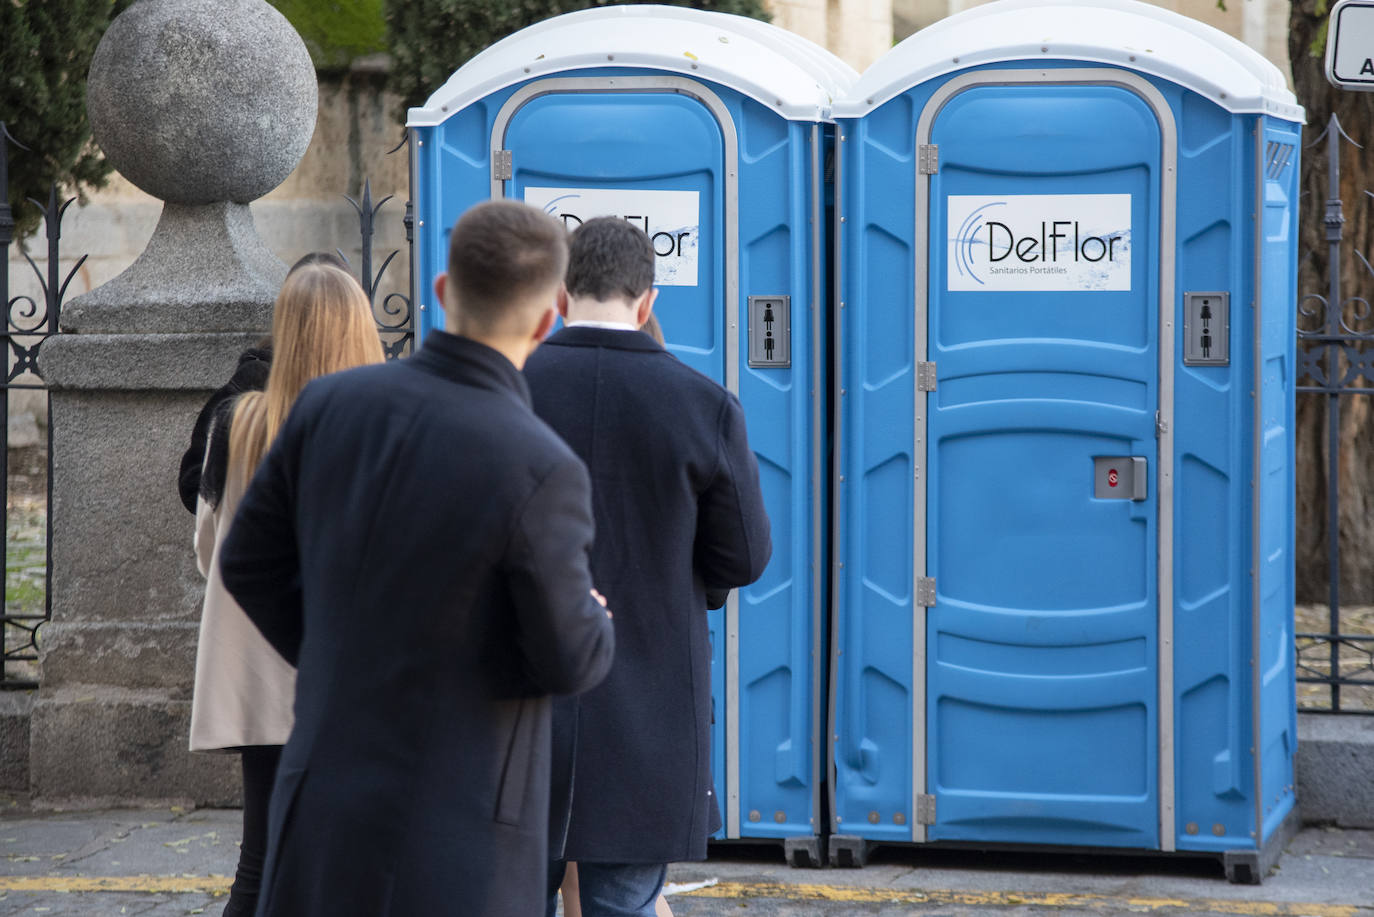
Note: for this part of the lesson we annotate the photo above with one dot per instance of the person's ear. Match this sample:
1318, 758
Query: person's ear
546, 320
447, 309
644, 306
561, 301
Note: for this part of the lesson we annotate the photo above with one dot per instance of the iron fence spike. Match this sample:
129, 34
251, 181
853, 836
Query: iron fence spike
1320, 137
1365, 262
1333, 125
5, 132
377, 281
62, 294
37, 273
1336, 122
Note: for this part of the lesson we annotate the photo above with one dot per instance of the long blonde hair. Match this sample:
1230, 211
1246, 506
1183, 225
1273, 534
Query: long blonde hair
321, 323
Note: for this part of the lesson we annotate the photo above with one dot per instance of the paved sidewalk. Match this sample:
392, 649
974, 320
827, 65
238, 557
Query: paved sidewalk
169, 862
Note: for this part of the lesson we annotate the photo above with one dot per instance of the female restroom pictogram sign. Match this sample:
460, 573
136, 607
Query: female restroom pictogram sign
1206, 329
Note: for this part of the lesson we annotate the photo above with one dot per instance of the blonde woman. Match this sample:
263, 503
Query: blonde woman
244, 690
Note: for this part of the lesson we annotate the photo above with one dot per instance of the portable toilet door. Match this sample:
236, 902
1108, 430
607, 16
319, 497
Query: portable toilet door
1065, 264
709, 131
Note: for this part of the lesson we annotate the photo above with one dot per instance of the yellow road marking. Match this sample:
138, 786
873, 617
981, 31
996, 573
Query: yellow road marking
1064, 900
218, 885
172, 885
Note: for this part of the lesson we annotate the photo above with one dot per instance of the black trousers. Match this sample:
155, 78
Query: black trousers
259, 773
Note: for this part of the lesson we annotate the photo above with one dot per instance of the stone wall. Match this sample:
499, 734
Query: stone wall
1261, 24
857, 31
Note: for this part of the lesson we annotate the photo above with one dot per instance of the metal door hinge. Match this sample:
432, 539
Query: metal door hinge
925, 809
502, 168
925, 591
925, 377
1161, 425
928, 159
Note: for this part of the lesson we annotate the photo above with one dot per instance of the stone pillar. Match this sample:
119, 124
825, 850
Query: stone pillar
207, 105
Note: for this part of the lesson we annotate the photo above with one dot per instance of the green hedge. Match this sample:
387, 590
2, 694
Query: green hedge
337, 31
45, 51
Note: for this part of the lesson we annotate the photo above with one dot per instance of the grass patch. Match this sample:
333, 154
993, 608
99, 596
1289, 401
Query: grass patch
26, 569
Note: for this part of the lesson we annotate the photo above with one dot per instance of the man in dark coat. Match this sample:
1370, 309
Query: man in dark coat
416, 541
679, 514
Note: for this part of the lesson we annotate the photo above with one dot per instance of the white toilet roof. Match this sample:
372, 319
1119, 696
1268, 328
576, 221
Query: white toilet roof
798, 79
1121, 33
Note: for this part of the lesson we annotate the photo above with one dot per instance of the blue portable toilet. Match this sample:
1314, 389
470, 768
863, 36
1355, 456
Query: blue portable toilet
1064, 487
711, 132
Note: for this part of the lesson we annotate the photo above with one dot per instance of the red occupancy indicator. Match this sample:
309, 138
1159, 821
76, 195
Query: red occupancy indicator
1112, 478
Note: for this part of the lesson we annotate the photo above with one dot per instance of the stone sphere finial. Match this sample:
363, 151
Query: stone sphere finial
202, 101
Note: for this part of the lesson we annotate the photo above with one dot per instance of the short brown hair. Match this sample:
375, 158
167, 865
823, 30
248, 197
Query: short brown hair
499, 253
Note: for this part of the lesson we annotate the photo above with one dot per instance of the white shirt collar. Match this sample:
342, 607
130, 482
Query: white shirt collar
612, 326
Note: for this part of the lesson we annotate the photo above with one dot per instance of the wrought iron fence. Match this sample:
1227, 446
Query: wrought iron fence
28, 323
25, 606
1335, 362
395, 319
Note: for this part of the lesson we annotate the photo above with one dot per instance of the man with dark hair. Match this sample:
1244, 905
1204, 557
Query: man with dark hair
503, 257
416, 542
679, 515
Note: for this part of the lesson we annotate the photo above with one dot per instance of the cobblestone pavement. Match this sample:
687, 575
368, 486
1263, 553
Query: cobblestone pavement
170, 862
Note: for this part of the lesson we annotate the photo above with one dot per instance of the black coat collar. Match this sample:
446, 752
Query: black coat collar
468, 362
587, 336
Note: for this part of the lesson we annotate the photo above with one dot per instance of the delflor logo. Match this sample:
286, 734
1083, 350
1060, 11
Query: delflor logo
967, 237
671, 220
1039, 242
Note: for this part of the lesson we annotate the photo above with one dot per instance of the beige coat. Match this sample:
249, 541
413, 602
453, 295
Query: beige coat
244, 689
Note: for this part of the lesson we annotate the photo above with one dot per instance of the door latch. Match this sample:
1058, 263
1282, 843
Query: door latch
1119, 477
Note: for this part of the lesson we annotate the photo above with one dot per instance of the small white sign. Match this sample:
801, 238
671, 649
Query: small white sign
1039, 242
671, 219
1350, 45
